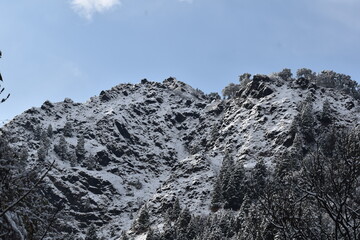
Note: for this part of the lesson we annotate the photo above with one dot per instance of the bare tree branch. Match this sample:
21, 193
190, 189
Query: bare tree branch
28, 192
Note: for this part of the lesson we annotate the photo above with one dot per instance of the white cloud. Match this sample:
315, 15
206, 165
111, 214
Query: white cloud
87, 8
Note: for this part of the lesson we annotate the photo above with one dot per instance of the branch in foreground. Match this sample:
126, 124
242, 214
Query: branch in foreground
28, 192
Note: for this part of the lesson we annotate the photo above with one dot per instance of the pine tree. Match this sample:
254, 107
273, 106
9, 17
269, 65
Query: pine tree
90, 162
80, 148
194, 227
142, 223
175, 210
37, 132
61, 149
124, 236
258, 179
68, 130
215, 234
183, 221
244, 210
217, 195
326, 113
221, 184
72, 158
45, 140
235, 189
152, 235
91, 234
226, 225
42, 153
225, 174
24, 155
50, 132
169, 231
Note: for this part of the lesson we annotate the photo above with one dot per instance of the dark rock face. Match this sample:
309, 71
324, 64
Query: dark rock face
103, 158
180, 117
116, 150
150, 101
349, 105
200, 105
75, 189
256, 88
122, 130
104, 96
265, 91
289, 141
47, 105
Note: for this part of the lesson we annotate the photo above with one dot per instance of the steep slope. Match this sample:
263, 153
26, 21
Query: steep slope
155, 142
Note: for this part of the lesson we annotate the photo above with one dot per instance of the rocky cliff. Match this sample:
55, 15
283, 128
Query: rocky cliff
156, 142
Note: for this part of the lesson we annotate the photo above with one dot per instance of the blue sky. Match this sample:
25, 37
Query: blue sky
76, 48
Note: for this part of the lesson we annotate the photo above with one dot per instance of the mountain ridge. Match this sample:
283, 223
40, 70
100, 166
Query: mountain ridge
156, 142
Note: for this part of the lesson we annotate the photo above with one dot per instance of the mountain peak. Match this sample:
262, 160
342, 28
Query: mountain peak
156, 142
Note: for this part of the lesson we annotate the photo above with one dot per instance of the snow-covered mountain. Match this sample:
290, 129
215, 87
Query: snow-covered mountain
156, 142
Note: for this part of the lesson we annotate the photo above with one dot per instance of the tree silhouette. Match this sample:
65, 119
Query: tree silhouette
2, 88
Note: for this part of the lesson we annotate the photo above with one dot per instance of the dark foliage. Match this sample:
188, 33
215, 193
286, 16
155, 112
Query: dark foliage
32, 217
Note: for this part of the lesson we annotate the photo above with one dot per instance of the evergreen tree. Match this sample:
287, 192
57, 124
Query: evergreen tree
142, 223
24, 155
61, 149
50, 131
68, 130
221, 184
215, 234
124, 236
225, 174
175, 210
194, 227
244, 210
217, 198
45, 140
326, 113
235, 189
91, 233
290, 161
152, 235
258, 178
183, 221
37, 132
226, 225
73, 159
80, 148
169, 231
90, 162
42, 153
329, 144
